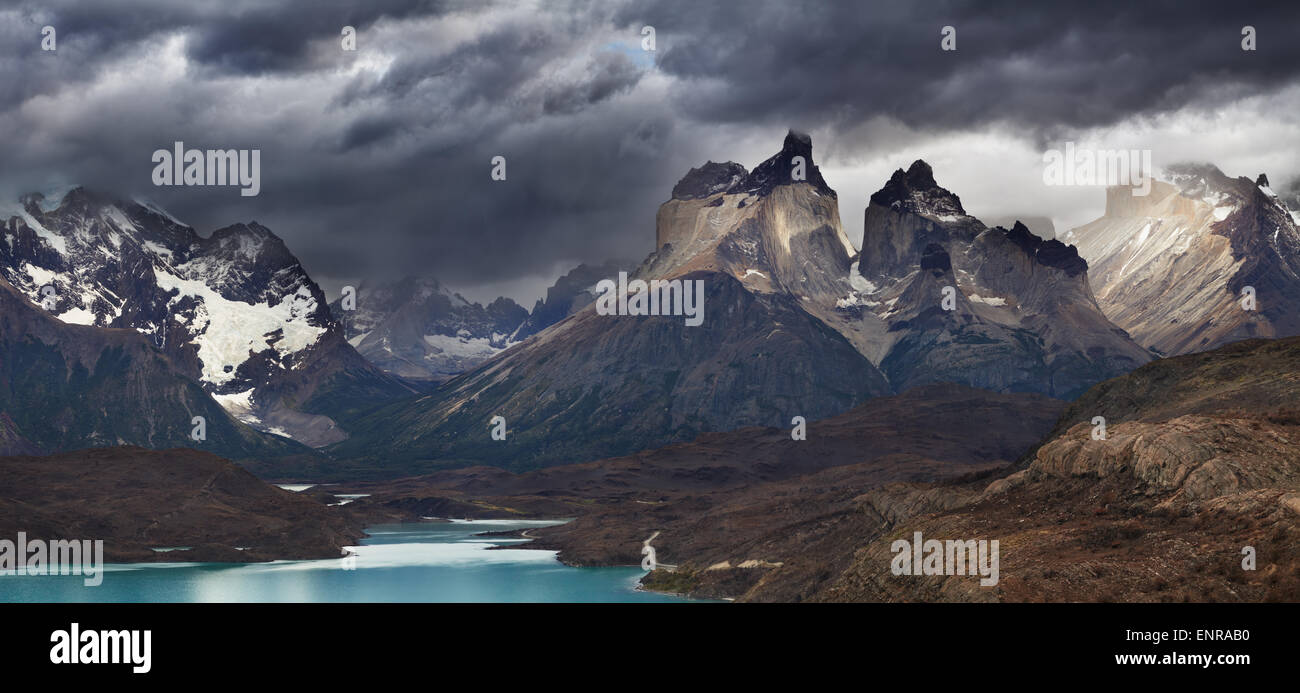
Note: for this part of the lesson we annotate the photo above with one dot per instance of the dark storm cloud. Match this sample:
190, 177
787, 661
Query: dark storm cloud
385, 169
1033, 64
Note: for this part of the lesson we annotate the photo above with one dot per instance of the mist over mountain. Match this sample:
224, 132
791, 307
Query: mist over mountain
416, 328
1171, 267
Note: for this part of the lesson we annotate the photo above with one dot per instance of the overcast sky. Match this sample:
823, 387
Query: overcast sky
377, 162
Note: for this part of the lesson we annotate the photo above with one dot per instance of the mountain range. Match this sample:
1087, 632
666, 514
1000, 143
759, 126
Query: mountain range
799, 323
416, 328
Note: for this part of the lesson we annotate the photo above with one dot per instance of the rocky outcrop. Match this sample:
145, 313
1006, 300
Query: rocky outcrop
1189, 458
1171, 267
1022, 315
1191, 493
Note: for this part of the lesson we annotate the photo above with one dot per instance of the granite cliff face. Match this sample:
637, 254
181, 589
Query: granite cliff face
1021, 315
1170, 267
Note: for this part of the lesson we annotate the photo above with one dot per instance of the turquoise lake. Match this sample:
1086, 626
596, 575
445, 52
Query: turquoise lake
426, 562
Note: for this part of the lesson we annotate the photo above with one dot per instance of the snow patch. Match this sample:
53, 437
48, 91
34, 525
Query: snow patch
989, 301
860, 283
40, 276
158, 250
52, 239
461, 346
77, 316
227, 332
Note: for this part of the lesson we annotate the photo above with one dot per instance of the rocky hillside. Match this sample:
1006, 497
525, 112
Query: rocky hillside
599, 386
233, 310
137, 500
1170, 267
1200, 460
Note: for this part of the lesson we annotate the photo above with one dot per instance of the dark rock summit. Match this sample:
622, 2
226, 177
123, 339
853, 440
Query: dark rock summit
1051, 253
780, 168
731, 178
709, 179
915, 190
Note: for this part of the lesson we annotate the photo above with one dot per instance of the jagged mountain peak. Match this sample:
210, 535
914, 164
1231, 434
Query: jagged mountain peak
80, 197
988, 307
732, 178
1205, 181
920, 176
915, 190
1162, 271
709, 179
1052, 253
253, 241
779, 169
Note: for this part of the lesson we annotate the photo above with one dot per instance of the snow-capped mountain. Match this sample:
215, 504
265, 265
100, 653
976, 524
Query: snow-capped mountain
419, 329
1171, 267
235, 309
66, 387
